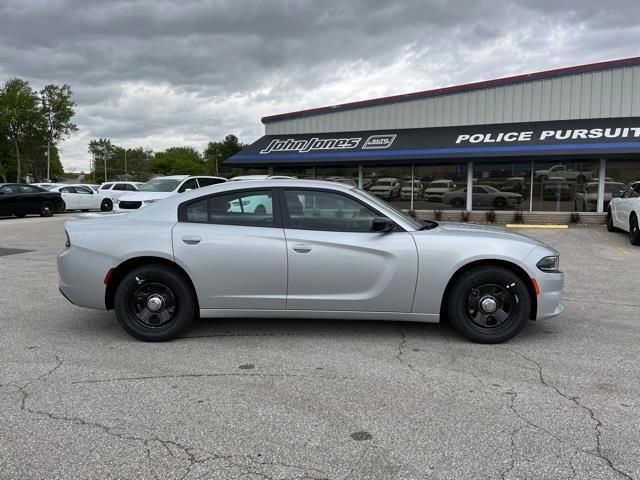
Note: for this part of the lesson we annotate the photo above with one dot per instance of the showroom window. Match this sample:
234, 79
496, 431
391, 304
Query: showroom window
501, 186
391, 183
298, 172
562, 186
252, 208
440, 186
345, 175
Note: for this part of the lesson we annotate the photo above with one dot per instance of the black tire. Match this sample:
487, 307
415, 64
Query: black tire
457, 202
177, 299
610, 226
500, 203
634, 230
489, 283
46, 209
106, 205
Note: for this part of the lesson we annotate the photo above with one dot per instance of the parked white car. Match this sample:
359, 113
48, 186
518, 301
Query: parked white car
623, 213
46, 186
109, 191
561, 171
162, 187
436, 189
587, 199
78, 197
387, 188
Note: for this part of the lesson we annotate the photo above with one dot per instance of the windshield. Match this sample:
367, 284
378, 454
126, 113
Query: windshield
489, 189
608, 187
383, 183
418, 224
159, 185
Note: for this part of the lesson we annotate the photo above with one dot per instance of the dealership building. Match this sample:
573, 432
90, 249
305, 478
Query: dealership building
545, 143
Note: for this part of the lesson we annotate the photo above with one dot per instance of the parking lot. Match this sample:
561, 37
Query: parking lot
311, 399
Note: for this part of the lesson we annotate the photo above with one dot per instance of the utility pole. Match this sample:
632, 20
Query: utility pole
93, 162
126, 175
104, 158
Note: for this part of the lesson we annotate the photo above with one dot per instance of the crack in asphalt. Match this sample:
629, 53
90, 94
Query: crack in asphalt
187, 452
213, 375
401, 351
575, 400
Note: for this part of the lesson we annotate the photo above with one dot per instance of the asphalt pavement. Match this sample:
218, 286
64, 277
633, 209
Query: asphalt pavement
311, 399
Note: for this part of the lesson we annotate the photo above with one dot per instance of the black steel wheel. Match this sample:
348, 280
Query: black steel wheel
106, 205
489, 304
155, 303
46, 209
634, 230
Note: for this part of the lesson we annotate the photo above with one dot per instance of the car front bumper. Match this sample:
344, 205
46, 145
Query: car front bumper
550, 297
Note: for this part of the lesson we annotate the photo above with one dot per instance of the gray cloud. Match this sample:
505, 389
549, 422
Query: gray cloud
158, 72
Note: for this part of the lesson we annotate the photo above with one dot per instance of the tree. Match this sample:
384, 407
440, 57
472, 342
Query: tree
217, 152
56, 107
178, 161
102, 151
19, 114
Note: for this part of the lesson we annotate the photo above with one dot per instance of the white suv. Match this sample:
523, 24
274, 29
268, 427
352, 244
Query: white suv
162, 187
109, 191
623, 213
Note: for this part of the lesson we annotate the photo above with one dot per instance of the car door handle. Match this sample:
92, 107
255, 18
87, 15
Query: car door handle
302, 248
191, 239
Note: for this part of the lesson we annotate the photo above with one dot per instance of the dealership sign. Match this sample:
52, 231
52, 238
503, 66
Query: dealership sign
610, 137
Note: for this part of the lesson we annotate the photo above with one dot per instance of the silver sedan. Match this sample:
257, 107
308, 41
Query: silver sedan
303, 249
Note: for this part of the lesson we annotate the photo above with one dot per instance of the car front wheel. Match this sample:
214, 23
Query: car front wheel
155, 303
489, 304
634, 230
106, 205
610, 226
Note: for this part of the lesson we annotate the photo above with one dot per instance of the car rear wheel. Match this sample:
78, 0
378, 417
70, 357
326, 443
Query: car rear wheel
489, 304
634, 230
106, 205
457, 202
155, 303
500, 203
46, 209
610, 226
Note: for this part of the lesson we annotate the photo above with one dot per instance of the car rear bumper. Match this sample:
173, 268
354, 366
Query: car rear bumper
550, 298
80, 275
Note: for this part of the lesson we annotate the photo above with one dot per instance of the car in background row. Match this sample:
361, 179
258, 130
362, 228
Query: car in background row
405, 191
562, 172
78, 197
556, 188
21, 199
623, 213
387, 188
163, 187
436, 189
483, 196
46, 186
109, 191
587, 198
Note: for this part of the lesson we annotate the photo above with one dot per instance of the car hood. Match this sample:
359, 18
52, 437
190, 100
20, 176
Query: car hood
470, 231
142, 196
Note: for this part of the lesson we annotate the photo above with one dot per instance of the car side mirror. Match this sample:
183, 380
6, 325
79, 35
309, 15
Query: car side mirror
382, 225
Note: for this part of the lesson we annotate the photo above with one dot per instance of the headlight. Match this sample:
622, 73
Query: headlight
549, 264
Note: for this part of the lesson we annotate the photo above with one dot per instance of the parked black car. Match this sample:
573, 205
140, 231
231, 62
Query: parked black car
21, 199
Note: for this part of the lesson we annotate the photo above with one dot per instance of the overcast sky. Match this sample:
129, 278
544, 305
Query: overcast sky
160, 73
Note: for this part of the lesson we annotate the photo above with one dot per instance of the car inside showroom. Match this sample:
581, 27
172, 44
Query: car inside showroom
547, 143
